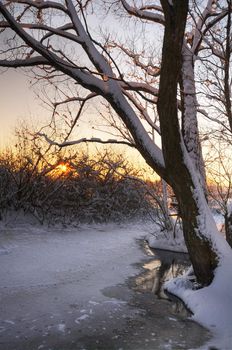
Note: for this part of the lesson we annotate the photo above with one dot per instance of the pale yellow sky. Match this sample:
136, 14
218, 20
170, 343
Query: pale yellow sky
17, 103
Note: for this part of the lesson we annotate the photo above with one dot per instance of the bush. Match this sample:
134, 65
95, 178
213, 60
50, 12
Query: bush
74, 187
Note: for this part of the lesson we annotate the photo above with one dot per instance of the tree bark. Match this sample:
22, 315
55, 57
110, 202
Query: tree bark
228, 227
168, 221
227, 82
181, 176
189, 121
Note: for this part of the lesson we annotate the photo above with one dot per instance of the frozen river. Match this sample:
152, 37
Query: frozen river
86, 288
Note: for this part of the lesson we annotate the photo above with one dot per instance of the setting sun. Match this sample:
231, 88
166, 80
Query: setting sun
61, 169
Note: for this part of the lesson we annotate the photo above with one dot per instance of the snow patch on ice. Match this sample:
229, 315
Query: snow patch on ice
9, 322
114, 302
4, 251
93, 302
61, 327
81, 318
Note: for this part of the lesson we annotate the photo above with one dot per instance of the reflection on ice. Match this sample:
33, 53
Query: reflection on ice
164, 266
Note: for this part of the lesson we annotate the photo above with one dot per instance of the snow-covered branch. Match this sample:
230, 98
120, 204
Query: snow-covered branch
84, 140
41, 4
95, 57
143, 111
152, 7
200, 23
142, 13
61, 31
75, 99
141, 87
204, 25
106, 86
27, 62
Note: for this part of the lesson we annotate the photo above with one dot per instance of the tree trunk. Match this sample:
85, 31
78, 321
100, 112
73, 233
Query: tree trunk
169, 224
228, 227
227, 68
183, 176
202, 256
189, 121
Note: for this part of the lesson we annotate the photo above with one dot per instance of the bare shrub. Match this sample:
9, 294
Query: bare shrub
71, 187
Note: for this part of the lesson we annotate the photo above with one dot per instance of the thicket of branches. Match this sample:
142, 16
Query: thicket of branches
99, 188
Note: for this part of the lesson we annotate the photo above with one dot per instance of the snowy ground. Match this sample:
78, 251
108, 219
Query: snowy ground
85, 288
165, 240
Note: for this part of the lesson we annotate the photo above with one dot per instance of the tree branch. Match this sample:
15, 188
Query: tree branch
143, 14
84, 140
42, 4
85, 79
27, 62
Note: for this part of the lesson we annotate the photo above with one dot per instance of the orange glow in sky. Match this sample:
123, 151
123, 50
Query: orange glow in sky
61, 169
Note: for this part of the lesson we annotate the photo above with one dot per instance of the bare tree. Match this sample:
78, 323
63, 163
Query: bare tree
215, 76
219, 171
37, 42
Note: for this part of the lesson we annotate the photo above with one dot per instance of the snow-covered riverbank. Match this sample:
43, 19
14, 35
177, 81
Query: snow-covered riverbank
211, 306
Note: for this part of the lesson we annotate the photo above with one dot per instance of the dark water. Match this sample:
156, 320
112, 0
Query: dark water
162, 321
162, 266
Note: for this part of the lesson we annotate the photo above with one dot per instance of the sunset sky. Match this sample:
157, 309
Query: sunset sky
17, 103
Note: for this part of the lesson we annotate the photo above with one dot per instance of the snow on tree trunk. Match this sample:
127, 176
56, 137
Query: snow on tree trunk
189, 112
228, 223
227, 69
204, 245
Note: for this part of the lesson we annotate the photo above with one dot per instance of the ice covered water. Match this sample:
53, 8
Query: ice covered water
86, 288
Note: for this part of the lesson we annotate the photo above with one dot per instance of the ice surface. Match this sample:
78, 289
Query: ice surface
53, 277
72, 251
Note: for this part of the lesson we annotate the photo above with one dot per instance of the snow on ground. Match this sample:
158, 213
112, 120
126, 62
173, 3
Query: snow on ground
174, 241
167, 241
